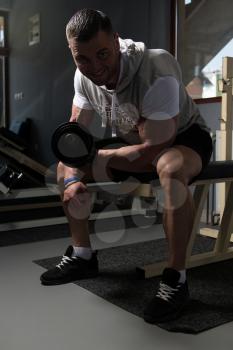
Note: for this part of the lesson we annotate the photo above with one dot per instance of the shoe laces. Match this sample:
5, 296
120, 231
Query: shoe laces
165, 291
65, 260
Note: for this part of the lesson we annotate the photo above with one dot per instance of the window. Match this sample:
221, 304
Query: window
205, 36
2, 31
3, 64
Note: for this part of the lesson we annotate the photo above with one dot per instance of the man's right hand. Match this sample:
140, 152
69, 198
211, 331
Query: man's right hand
76, 189
78, 200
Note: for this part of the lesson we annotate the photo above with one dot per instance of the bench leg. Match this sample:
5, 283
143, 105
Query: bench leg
222, 250
199, 197
226, 226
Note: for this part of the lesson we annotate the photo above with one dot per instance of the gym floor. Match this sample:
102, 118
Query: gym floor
35, 317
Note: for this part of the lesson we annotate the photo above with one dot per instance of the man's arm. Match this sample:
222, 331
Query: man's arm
155, 136
84, 117
157, 128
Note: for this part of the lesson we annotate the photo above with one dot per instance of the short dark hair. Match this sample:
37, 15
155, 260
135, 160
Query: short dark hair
86, 23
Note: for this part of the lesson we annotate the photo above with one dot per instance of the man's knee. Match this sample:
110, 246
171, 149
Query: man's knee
171, 171
171, 165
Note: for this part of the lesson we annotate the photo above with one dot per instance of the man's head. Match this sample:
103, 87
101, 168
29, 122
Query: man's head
86, 23
94, 46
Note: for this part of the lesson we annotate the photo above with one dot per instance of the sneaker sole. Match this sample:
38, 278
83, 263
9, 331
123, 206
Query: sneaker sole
171, 317
69, 280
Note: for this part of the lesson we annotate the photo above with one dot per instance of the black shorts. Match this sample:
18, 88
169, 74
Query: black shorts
194, 137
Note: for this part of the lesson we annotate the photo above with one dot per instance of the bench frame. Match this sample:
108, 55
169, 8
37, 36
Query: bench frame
222, 250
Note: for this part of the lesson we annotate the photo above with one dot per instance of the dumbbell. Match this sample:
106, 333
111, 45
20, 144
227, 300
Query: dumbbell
74, 146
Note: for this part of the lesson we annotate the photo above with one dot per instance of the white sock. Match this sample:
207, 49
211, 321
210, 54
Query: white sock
182, 276
82, 252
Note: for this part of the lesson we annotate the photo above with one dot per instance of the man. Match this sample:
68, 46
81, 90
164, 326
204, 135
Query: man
140, 97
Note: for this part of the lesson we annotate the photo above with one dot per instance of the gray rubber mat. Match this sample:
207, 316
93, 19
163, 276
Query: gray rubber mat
211, 286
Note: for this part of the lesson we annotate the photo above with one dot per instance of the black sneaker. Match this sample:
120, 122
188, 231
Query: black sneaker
170, 299
70, 269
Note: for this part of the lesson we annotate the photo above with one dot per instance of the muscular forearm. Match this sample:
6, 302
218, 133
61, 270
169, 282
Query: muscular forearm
136, 158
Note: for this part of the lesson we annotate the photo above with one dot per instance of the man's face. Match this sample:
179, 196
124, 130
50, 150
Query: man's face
98, 58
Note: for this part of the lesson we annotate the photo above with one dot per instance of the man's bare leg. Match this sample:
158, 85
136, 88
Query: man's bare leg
79, 261
78, 217
79, 229
177, 225
175, 168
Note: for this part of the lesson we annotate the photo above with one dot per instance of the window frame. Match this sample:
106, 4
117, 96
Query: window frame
176, 40
4, 54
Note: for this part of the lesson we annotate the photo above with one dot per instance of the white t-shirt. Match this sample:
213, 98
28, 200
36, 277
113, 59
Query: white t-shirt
160, 102
149, 86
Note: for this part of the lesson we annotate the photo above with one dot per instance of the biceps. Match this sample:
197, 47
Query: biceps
158, 132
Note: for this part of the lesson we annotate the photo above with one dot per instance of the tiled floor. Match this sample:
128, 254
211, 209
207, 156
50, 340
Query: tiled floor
34, 317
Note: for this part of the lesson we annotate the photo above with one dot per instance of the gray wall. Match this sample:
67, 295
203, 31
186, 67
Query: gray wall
44, 72
211, 113
5, 4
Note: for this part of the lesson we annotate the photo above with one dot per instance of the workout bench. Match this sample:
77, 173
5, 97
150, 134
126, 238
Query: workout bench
216, 172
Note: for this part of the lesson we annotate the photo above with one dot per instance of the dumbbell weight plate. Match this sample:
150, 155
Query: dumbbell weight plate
73, 144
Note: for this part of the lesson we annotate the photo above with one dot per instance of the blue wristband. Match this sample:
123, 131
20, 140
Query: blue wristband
71, 179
